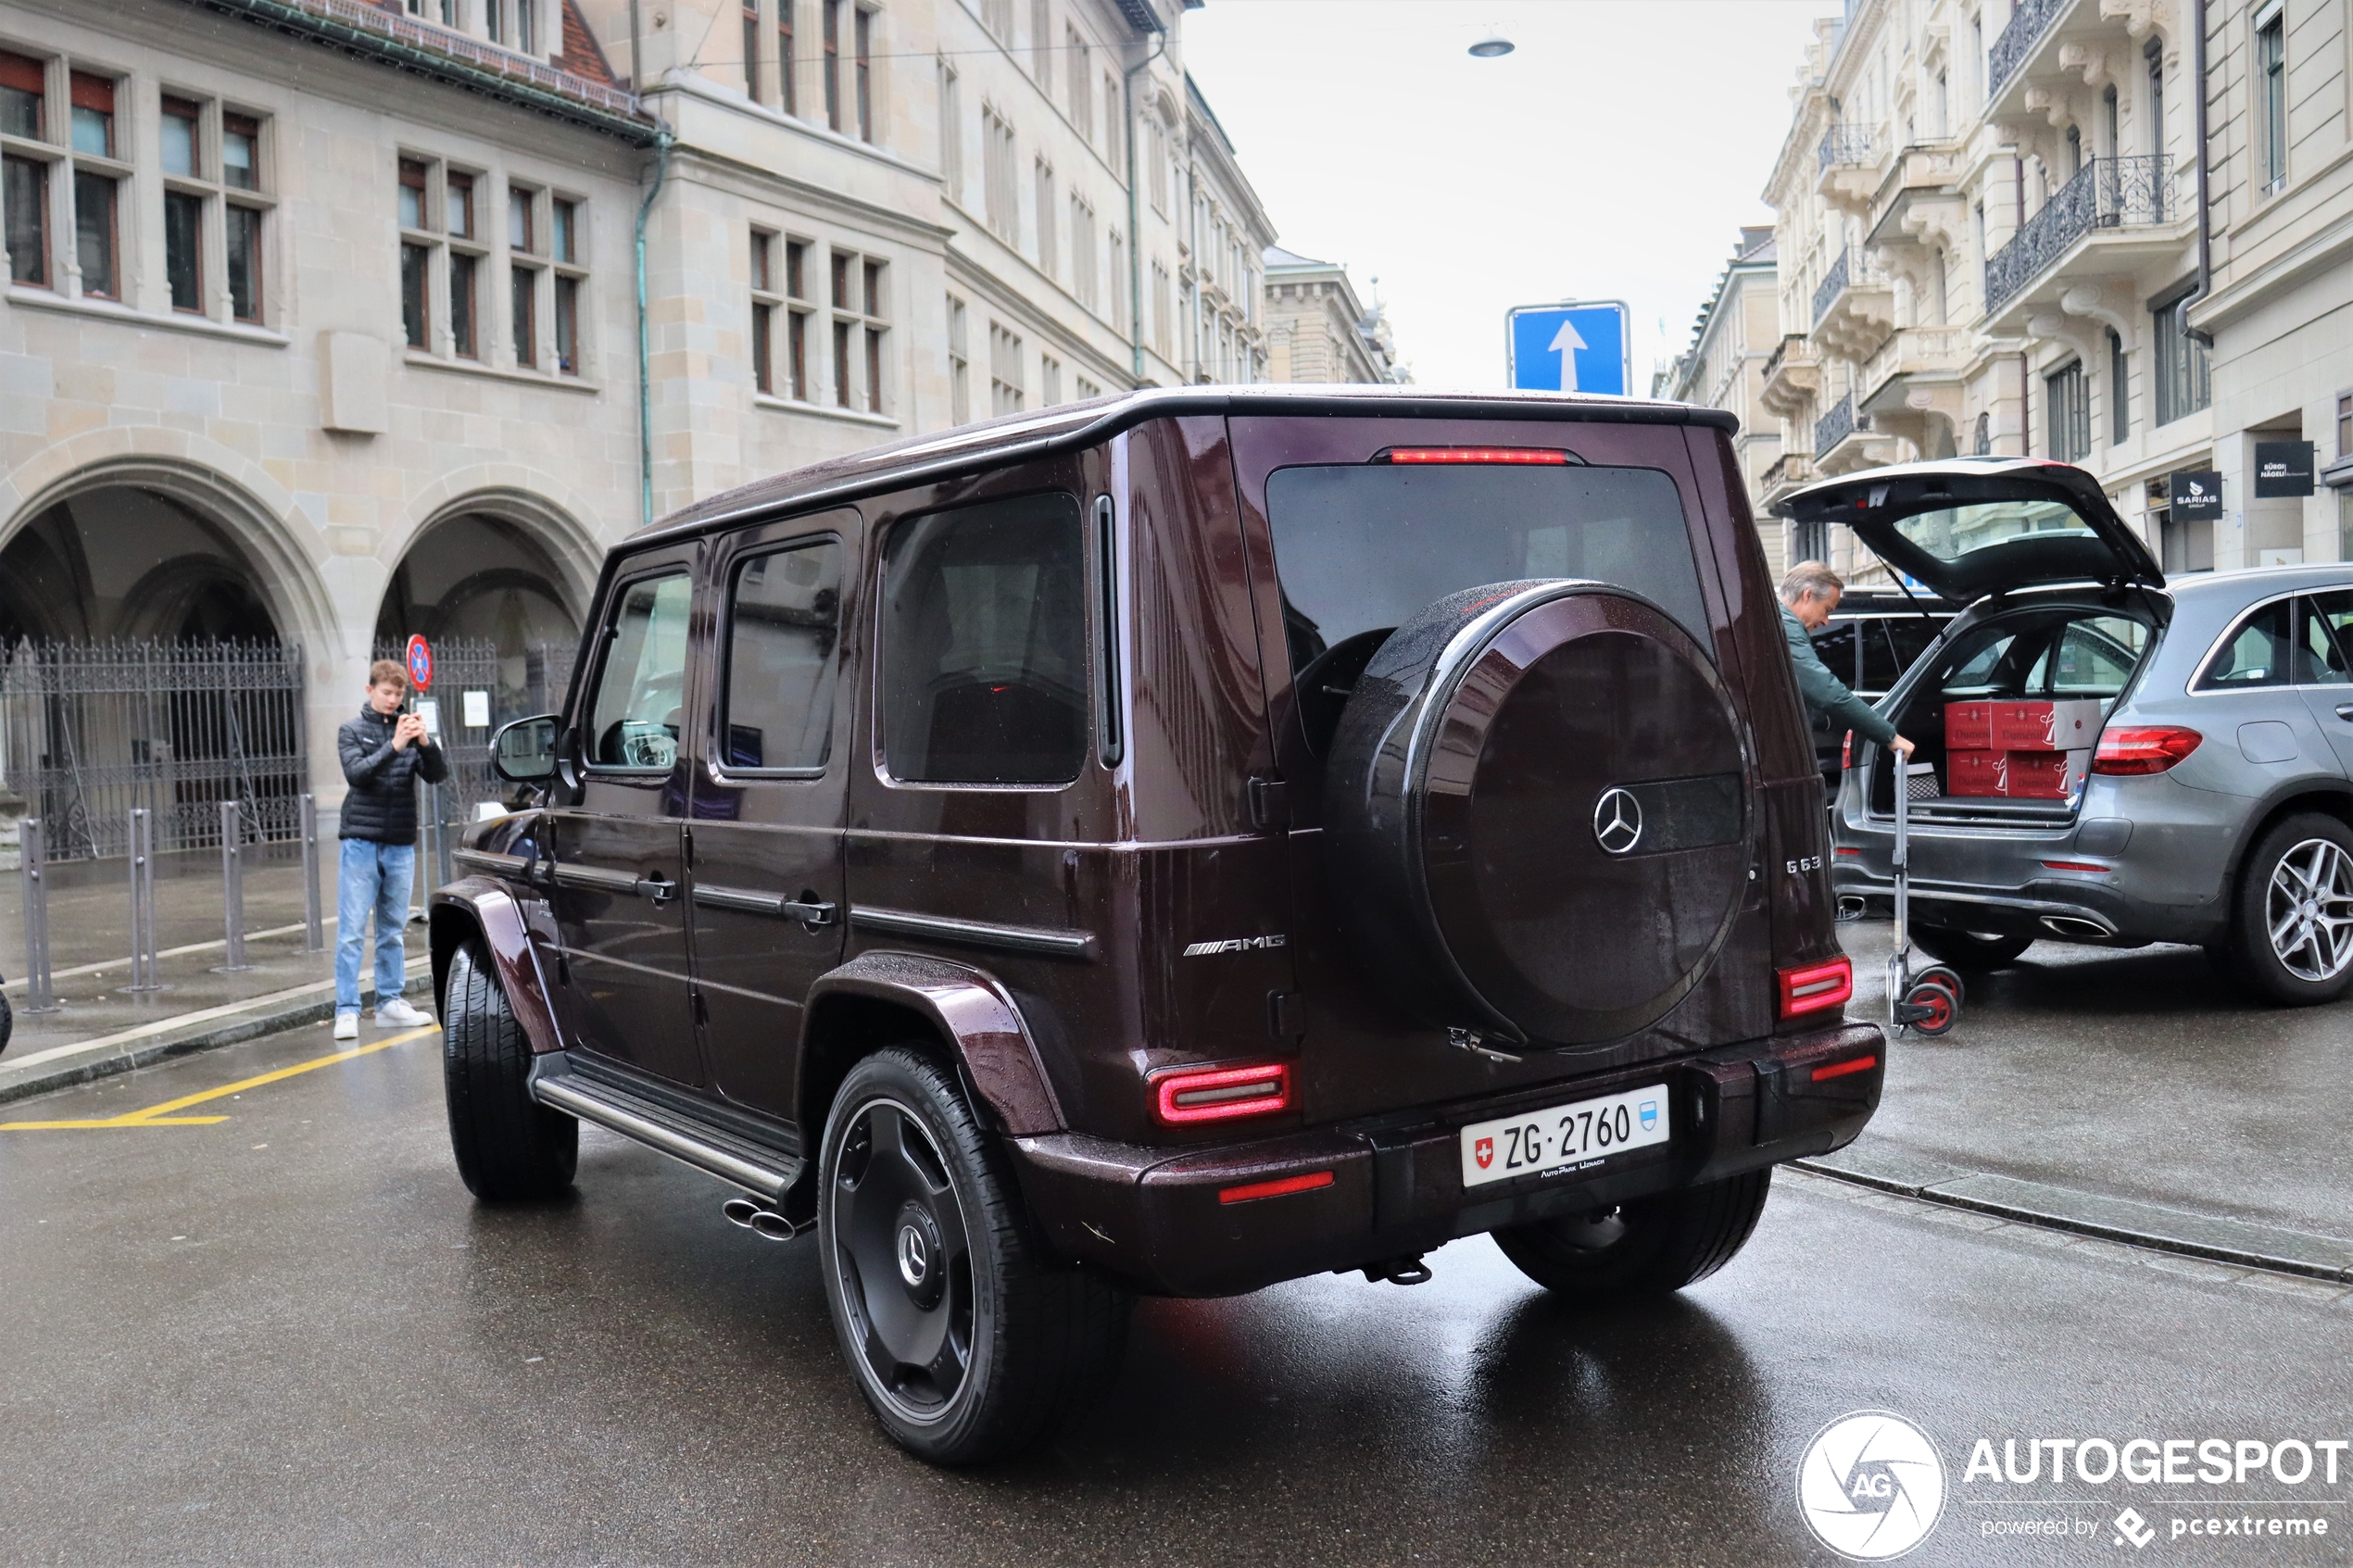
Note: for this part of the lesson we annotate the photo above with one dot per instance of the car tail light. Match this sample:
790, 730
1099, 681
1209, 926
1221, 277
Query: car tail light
1841, 1069
1278, 1187
1846, 752
1816, 988
1221, 1094
1541, 455
2150, 748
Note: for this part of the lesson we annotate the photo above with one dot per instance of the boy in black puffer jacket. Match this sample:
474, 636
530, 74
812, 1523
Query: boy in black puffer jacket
383, 751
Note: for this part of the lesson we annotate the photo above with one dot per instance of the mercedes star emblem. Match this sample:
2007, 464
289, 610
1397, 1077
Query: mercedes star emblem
914, 1257
1618, 821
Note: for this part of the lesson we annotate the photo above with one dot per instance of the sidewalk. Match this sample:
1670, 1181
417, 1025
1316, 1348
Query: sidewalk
101, 1029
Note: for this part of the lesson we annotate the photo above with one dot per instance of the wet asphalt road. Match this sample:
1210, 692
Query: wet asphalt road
291, 1338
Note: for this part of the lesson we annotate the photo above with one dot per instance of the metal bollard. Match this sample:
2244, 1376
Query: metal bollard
314, 926
144, 976
232, 887
40, 992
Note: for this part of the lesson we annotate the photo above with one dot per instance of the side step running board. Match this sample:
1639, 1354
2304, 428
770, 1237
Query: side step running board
765, 1173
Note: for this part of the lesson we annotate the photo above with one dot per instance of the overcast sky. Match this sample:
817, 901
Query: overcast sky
1613, 155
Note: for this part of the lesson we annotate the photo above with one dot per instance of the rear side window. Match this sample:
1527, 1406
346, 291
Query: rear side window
984, 644
2256, 653
783, 622
2094, 657
641, 690
1361, 549
2323, 625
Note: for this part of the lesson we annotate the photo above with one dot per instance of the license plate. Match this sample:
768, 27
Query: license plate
1564, 1136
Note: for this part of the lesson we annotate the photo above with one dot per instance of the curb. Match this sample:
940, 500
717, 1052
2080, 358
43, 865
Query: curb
153, 1042
2271, 1248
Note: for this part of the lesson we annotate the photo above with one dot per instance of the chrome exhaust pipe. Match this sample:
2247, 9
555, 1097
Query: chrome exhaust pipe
773, 1226
740, 1211
2076, 929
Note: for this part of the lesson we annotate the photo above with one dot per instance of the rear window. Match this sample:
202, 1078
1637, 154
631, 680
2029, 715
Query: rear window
1951, 533
1363, 548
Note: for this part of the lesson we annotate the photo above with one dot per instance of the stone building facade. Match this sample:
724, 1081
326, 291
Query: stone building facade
1317, 331
1737, 331
323, 318
2076, 229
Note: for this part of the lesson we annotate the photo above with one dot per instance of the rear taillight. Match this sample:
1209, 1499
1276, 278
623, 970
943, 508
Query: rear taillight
1845, 1069
1816, 988
1221, 1094
1281, 1187
1539, 455
2148, 748
1846, 752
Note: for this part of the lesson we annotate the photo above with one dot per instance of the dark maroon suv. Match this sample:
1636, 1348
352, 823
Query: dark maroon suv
1172, 844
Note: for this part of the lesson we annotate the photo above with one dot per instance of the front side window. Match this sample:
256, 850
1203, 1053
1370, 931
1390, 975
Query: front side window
983, 642
784, 628
1362, 549
2257, 653
639, 706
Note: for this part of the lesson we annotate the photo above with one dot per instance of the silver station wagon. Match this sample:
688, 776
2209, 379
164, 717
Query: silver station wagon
2202, 789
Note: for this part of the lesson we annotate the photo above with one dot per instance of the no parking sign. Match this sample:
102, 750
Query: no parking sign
419, 660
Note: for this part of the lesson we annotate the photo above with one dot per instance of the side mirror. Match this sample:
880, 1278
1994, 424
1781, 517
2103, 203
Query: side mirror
524, 751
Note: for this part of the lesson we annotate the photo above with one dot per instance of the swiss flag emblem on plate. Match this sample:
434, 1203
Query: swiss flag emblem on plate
1484, 1153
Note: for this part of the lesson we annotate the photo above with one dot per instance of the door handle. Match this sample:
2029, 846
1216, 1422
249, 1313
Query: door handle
2345, 711
806, 911
660, 888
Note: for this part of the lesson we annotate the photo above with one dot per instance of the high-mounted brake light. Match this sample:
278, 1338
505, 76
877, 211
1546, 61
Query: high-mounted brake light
1280, 1186
1816, 987
2145, 750
1474, 454
1841, 1069
1220, 1093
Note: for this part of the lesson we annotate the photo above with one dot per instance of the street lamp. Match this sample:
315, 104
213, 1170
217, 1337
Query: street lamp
1492, 47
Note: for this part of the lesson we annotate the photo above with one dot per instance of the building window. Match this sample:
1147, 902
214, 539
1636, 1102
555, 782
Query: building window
527, 26
568, 247
1004, 371
1088, 389
1050, 380
184, 250
212, 198
2119, 400
465, 263
93, 99
1082, 84
1162, 326
2270, 96
24, 88
1113, 151
858, 302
2178, 367
524, 276
449, 223
765, 309
997, 16
751, 49
1086, 264
1982, 443
2068, 413
2111, 121
787, 60
798, 308
831, 65
2345, 426
1000, 178
1047, 258
865, 41
951, 133
2153, 65
1042, 46
960, 391
1121, 286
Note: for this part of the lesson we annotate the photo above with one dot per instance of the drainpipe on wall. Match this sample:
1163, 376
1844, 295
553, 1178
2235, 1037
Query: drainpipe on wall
664, 141
2204, 225
1135, 214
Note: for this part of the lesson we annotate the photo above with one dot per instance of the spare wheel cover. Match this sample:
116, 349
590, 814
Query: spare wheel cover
1536, 813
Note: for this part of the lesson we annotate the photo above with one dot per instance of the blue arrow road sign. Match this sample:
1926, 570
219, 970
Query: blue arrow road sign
1569, 347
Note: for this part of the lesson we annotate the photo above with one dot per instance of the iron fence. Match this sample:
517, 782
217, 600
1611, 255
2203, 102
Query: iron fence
2030, 19
2106, 193
1832, 282
502, 688
90, 732
1848, 143
1839, 421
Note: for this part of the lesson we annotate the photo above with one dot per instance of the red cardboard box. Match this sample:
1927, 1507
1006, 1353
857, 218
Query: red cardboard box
2016, 775
2044, 726
1968, 726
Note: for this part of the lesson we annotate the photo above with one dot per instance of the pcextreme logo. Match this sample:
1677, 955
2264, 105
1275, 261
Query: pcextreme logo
1871, 1485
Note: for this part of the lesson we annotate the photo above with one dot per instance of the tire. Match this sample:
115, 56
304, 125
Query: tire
1971, 952
2292, 924
972, 1341
1651, 1246
1944, 1009
510, 1147
8, 1021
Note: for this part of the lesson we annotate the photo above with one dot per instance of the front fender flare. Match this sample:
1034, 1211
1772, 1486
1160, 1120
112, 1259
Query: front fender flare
973, 1013
480, 906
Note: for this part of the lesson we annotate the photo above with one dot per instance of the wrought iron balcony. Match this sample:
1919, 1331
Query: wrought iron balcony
2028, 24
2106, 193
1847, 144
1836, 424
1832, 282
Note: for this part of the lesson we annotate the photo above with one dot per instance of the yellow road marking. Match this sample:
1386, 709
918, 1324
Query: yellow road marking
161, 1115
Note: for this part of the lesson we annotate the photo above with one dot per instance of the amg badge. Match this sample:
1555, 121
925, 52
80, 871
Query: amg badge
1234, 945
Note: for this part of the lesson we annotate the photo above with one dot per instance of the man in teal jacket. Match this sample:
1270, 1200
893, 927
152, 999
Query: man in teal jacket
1809, 595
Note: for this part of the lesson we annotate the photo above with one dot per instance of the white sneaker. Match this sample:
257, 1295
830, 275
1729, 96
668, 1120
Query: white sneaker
347, 1026
398, 1014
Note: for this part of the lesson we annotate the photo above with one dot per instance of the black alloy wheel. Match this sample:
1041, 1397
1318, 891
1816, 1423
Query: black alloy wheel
1970, 951
969, 1339
509, 1147
1648, 1247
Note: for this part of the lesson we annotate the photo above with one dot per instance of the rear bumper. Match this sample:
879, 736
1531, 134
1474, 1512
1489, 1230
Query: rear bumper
1154, 1217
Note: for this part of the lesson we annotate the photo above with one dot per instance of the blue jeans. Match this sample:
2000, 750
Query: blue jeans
376, 877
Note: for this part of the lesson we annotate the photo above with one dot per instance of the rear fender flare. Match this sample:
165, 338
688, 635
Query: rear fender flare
476, 906
973, 1014
2311, 792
